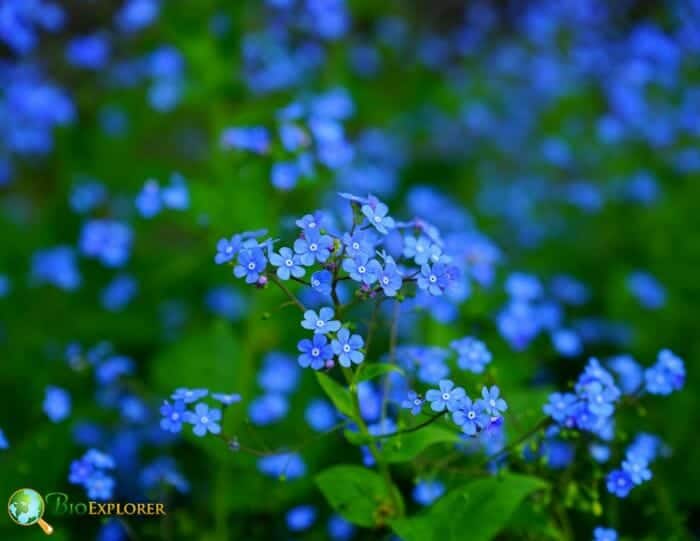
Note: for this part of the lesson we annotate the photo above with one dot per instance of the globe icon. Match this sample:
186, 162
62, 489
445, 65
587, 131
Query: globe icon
26, 507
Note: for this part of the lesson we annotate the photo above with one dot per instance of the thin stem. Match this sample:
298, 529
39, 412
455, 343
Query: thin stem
413, 428
393, 338
289, 294
508, 448
372, 325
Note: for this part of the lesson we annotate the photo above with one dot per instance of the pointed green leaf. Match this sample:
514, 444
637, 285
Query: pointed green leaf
371, 371
360, 495
338, 394
482, 508
408, 446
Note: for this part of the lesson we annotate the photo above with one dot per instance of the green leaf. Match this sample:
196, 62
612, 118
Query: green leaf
529, 520
482, 508
339, 395
357, 438
371, 371
360, 495
407, 446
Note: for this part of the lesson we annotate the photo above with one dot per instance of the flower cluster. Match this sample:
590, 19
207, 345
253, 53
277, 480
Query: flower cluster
202, 417
92, 472
635, 467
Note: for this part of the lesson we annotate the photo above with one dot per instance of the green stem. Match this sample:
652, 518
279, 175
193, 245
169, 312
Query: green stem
372, 446
286, 291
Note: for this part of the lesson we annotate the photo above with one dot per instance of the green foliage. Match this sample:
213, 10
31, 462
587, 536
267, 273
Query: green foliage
477, 511
360, 495
368, 372
408, 446
339, 395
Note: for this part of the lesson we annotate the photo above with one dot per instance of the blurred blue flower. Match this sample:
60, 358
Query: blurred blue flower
107, 240
619, 483
301, 518
88, 52
227, 302
340, 529
56, 266
189, 395
472, 354
413, 402
320, 415
604, 534
426, 492
321, 281
173, 416
268, 409
119, 292
286, 465
279, 373
57, 403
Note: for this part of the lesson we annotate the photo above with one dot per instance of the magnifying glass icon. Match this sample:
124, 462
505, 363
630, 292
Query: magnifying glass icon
26, 507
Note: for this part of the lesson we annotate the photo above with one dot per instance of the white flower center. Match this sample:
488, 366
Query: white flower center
621, 481
445, 396
204, 420
289, 262
320, 323
315, 352
315, 283
313, 246
420, 249
346, 348
251, 266
229, 249
471, 415
417, 402
493, 403
175, 416
356, 245
432, 278
361, 269
385, 280
377, 219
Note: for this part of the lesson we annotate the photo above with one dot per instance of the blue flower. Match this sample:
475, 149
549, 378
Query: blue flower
107, 240
251, 263
637, 467
176, 195
268, 409
600, 399
619, 483
340, 529
3, 440
358, 243
362, 269
313, 247
254, 139
321, 281
448, 396
314, 352
630, 374
321, 323
279, 373
301, 518
311, 221
523, 287
148, 201
421, 250
99, 486
173, 416
426, 492
667, 375
648, 290
56, 266
347, 348
99, 459
57, 404
286, 465
472, 354
470, 416
226, 399
80, 471
560, 406
389, 278
119, 292
227, 249
433, 279
320, 415
189, 395
204, 419
493, 404
604, 534
413, 402
285, 175
376, 213
287, 263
